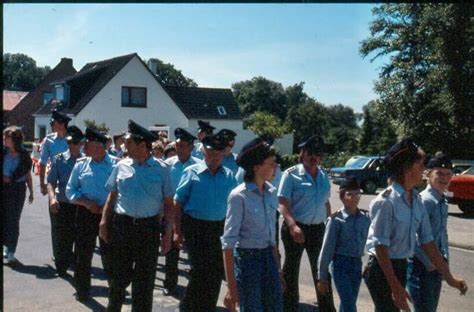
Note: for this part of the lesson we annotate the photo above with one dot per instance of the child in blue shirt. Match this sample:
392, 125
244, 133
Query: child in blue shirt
343, 245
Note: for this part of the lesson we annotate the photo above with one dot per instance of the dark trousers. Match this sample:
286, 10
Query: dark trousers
207, 266
14, 195
87, 225
378, 286
63, 234
171, 268
313, 235
134, 248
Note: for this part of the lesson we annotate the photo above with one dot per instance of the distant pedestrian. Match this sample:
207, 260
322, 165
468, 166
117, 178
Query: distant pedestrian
399, 221
304, 193
16, 177
63, 225
140, 194
201, 202
116, 149
343, 247
157, 149
86, 188
424, 281
251, 256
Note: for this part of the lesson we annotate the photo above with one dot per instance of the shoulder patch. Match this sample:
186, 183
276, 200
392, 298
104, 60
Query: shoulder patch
335, 214
386, 192
291, 169
364, 211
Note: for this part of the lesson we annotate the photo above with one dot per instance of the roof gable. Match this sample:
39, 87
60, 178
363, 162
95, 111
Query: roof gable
12, 98
202, 103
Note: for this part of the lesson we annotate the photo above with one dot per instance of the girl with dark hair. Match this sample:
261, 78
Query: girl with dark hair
16, 176
399, 221
251, 258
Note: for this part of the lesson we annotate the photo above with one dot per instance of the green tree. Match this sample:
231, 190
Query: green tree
261, 95
99, 127
426, 88
263, 123
20, 72
168, 75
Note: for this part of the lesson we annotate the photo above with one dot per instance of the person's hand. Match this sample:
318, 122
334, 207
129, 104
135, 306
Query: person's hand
297, 234
30, 198
104, 231
458, 283
165, 243
323, 287
44, 189
400, 298
231, 299
54, 206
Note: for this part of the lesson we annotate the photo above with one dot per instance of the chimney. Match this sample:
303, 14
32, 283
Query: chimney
153, 66
66, 61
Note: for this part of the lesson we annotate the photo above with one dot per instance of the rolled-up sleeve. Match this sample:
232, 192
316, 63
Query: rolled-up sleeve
111, 184
381, 214
233, 221
327, 250
286, 186
184, 187
73, 188
424, 230
44, 155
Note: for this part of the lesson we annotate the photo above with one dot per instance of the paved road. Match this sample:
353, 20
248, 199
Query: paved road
34, 286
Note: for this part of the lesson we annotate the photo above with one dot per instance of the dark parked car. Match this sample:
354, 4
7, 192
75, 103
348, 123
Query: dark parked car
368, 170
461, 191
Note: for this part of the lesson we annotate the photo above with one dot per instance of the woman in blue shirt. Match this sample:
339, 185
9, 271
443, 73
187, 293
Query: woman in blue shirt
343, 245
399, 222
251, 259
16, 176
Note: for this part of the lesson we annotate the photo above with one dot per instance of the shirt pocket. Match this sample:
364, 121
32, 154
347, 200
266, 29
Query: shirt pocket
303, 190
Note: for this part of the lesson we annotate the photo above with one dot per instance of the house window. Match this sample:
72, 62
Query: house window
133, 97
47, 96
42, 132
221, 110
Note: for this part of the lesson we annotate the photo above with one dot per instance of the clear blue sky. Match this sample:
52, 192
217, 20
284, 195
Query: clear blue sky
214, 44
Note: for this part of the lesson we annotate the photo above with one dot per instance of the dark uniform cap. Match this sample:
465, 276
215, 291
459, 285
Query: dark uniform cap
268, 138
181, 134
215, 142
59, 117
74, 134
94, 135
139, 132
253, 153
405, 150
228, 134
313, 144
349, 184
440, 161
205, 126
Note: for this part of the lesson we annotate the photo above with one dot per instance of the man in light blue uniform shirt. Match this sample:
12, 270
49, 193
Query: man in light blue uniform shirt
399, 221
304, 204
424, 281
205, 129
139, 187
86, 188
201, 202
177, 164
63, 222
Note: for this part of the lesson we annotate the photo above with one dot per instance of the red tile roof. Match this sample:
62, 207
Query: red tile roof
11, 98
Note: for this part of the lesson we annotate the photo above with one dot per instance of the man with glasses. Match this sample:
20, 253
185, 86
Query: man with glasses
86, 188
303, 194
63, 223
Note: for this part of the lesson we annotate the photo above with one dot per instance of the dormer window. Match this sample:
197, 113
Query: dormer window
59, 92
221, 110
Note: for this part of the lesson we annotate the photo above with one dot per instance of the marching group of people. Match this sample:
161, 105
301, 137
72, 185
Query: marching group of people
224, 208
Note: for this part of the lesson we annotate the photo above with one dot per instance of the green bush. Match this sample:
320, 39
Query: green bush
289, 160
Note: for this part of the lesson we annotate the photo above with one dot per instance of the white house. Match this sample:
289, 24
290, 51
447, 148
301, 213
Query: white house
115, 90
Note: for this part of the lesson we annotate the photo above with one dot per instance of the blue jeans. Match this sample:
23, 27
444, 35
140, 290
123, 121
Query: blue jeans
14, 195
347, 275
258, 281
424, 286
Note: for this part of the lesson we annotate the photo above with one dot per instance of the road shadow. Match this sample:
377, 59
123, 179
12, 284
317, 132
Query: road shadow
41, 272
461, 215
306, 307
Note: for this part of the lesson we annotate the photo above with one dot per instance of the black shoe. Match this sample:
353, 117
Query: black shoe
169, 291
82, 297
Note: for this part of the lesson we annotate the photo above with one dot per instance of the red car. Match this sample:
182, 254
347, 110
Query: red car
461, 191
